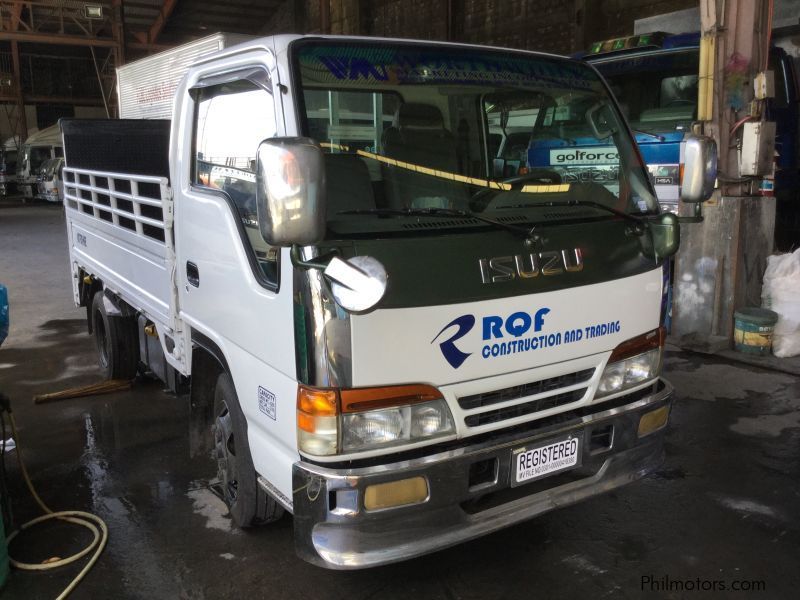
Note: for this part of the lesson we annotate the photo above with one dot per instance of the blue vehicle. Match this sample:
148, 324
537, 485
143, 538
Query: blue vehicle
4, 321
654, 78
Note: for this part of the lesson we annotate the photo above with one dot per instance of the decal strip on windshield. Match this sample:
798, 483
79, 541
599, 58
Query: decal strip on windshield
495, 185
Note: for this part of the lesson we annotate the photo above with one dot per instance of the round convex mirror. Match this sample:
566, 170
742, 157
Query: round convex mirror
358, 284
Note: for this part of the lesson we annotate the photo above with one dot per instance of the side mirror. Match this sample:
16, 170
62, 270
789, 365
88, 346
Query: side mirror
699, 168
290, 191
600, 120
666, 235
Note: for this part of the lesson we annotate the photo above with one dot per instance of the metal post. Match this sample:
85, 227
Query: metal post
720, 266
118, 29
100, 82
21, 116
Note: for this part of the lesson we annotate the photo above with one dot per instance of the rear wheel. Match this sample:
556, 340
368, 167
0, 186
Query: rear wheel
116, 340
248, 504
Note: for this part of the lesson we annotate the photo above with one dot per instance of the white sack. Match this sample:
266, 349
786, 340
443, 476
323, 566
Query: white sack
781, 293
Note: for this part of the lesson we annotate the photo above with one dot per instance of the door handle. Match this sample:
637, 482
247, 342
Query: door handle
192, 274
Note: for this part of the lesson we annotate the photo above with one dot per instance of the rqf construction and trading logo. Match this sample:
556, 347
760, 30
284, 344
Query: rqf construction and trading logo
494, 327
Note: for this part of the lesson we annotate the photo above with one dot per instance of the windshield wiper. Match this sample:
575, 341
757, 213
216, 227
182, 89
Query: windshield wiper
638, 221
655, 136
435, 212
531, 236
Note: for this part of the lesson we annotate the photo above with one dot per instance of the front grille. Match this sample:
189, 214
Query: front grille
529, 397
526, 408
524, 390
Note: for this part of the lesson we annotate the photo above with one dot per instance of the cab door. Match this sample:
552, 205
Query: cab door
234, 290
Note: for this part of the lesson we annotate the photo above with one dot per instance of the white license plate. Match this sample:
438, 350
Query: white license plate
535, 463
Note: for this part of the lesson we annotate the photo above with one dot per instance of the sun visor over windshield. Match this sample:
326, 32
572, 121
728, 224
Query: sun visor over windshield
409, 64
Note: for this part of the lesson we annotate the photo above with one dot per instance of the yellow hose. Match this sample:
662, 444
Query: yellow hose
85, 519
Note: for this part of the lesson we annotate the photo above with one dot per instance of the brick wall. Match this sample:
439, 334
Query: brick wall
545, 25
421, 19
614, 18
346, 17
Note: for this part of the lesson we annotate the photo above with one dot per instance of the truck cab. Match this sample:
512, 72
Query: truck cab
8, 165
382, 333
49, 186
40, 146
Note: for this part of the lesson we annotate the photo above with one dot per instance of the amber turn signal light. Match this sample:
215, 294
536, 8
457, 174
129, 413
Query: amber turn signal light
638, 345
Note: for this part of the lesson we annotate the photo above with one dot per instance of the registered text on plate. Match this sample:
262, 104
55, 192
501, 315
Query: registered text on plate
541, 461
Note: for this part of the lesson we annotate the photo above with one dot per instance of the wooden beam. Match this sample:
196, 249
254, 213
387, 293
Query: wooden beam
225, 9
324, 16
139, 36
56, 38
56, 100
118, 31
448, 20
148, 47
141, 6
16, 16
161, 20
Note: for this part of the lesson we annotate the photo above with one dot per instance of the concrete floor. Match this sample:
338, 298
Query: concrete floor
724, 507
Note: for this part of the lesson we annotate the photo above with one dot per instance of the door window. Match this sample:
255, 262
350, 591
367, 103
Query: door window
232, 119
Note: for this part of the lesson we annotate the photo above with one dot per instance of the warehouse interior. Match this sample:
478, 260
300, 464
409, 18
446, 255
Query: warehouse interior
204, 349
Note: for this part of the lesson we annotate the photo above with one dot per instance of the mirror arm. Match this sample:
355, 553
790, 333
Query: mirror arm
697, 217
319, 262
589, 115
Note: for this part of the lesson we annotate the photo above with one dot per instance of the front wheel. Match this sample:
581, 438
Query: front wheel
248, 504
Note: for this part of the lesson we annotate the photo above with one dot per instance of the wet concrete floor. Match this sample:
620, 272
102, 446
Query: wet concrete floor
724, 508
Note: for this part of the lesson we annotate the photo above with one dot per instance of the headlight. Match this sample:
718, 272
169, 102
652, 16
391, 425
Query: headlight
393, 426
632, 363
630, 372
332, 421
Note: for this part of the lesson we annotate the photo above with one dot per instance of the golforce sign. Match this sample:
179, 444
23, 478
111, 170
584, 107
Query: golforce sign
602, 155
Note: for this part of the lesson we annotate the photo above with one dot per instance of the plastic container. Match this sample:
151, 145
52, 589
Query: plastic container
753, 328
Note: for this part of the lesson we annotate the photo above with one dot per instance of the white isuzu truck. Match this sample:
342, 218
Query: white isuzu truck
40, 146
382, 332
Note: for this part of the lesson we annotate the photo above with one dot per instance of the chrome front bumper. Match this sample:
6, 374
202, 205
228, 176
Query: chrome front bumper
333, 530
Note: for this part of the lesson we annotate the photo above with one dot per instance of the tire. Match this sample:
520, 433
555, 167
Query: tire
248, 504
117, 341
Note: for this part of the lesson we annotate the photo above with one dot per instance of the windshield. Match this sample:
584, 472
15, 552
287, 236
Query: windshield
412, 127
657, 92
44, 167
50, 167
38, 155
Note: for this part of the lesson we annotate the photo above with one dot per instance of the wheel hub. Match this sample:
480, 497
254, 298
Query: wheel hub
225, 453
101, 337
